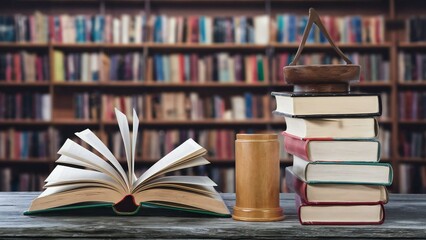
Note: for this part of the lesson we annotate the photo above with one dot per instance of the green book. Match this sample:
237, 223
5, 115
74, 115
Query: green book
260, 70
319, 172
87, 181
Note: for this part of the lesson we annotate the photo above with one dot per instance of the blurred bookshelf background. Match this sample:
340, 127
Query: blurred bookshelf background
195, 68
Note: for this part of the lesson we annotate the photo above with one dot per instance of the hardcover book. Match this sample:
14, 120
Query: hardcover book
339, 214
318, 149
332, 127
84, 179
319, 194
343, 172
304, 105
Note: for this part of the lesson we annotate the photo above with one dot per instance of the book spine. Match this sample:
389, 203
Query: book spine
295, 146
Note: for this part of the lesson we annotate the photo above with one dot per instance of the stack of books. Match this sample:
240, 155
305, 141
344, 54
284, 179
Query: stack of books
336, 173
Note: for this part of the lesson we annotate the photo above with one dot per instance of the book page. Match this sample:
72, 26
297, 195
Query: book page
185, 151
134, 139
63, 175
75, 151
123, 124
90, 138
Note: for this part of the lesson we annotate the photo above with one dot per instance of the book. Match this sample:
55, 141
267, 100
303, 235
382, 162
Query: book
319, 194
339, 214
327, 104
343, 172
332, 127
104, 181
318, 149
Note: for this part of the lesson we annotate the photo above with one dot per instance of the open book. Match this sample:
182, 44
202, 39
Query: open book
85, 179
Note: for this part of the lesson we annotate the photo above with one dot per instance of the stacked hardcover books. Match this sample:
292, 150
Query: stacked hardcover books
331, 134
336, 173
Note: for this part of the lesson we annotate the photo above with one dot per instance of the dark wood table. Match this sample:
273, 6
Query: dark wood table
405, 218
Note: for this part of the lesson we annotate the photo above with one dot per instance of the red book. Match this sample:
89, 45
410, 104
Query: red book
39, 69
330, 194
315, 149
342, 214
253, 62
378, 28
195, 30
194, 67
32, 29
17, 67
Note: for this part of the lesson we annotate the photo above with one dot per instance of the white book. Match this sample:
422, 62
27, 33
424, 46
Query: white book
85, 67
208, 21
237, 31
116, 33
261, 29
138, 28
238, 108
201, 70
71, 68
171, 26
135, 66
125, 24
46, 104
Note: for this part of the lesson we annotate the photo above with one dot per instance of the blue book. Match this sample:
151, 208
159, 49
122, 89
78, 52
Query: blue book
292, 28
357, 28
101, 28
249, 105
158, 68
166, 68
280, 27
80, 29
244, 30
157, 30
202, 29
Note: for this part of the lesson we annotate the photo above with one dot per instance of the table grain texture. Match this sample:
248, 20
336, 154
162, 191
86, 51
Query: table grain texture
405, 218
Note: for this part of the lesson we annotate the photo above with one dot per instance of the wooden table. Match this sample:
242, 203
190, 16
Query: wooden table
405, 218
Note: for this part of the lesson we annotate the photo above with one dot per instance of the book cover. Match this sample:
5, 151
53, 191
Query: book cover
322, 105
362, 192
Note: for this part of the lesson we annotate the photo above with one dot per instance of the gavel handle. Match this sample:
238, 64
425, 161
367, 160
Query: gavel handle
314, 18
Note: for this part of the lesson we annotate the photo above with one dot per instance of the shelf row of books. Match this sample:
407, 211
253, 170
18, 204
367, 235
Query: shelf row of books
220, 67
24, 66
412, 143
25, 144
412, 105
25, 105
11, 180
188, 106
137, 28
41, 144
411, 66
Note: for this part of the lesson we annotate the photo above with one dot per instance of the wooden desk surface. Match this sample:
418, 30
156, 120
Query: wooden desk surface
405, 218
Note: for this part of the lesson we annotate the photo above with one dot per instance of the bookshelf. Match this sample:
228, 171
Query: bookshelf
395, 13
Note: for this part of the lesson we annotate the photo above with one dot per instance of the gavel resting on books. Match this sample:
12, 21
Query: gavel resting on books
317, 110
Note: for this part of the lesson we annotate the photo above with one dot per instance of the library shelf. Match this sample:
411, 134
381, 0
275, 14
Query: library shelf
23, 161
153, 84
201, 46
74, 122
326, 46
412, 84
206, 122
38, 85
24, 45
24, 122
412, 122
417, 160
411, 45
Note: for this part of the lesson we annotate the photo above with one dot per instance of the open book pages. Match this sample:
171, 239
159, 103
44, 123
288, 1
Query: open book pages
83, 176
